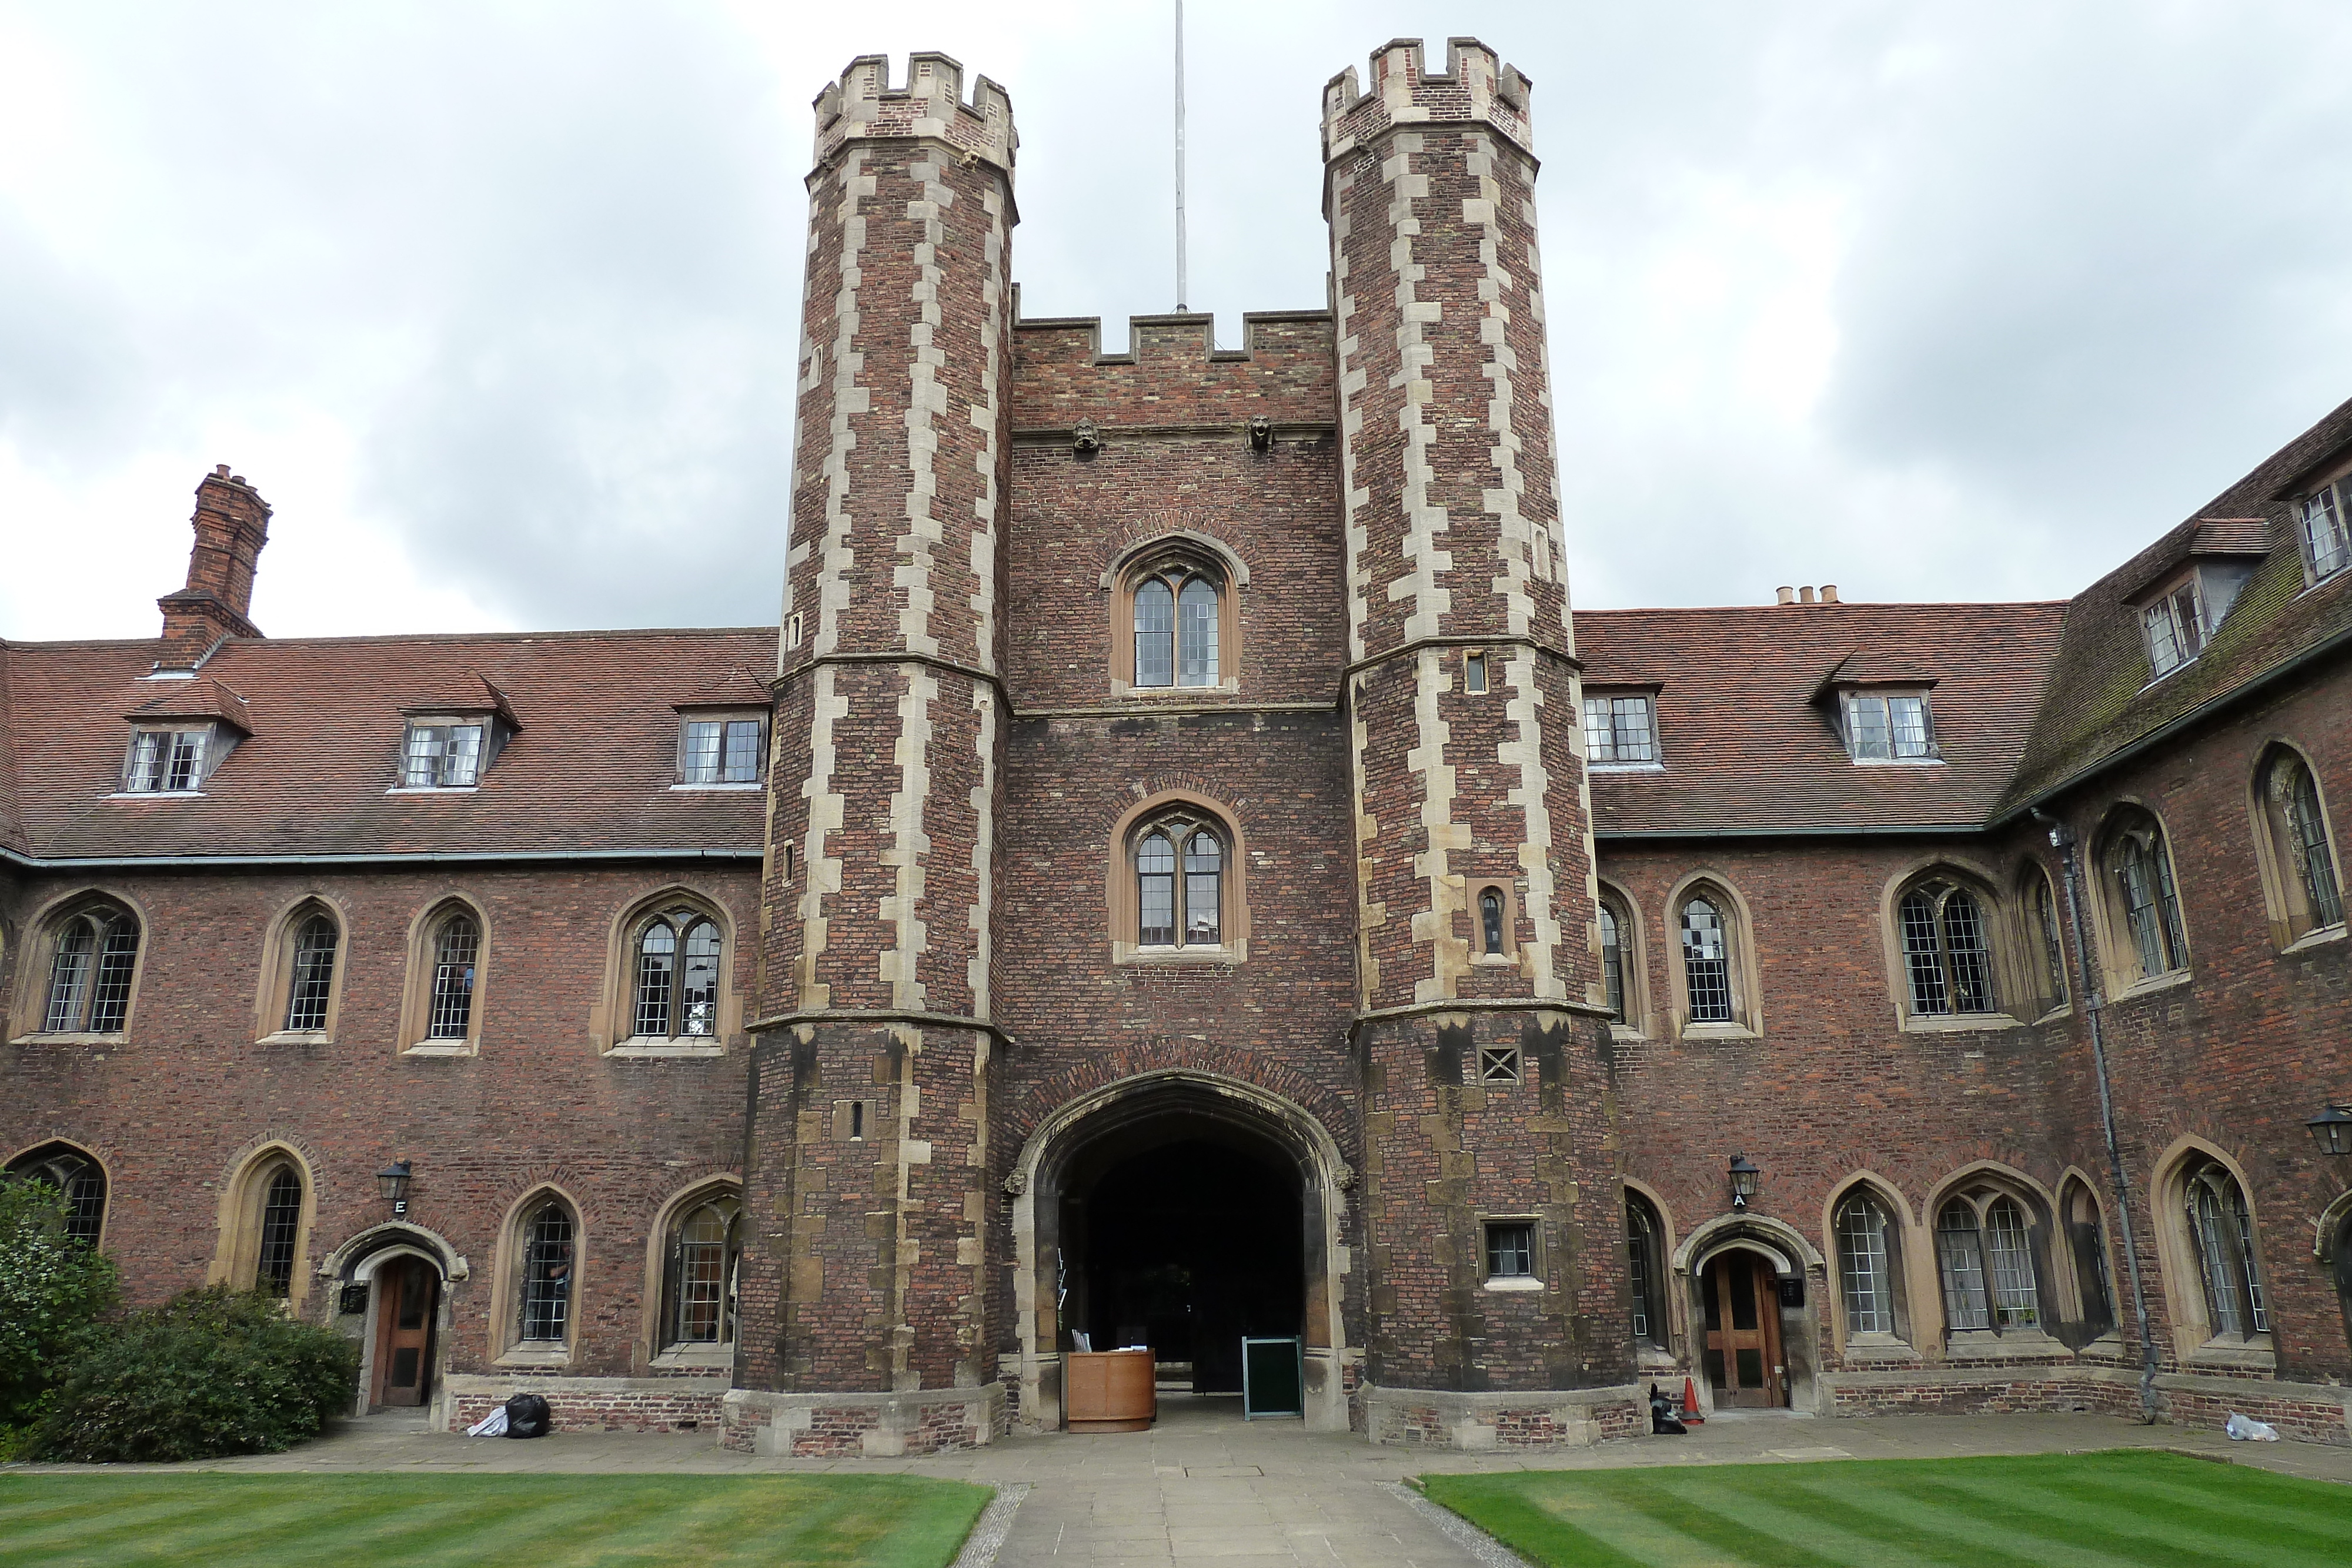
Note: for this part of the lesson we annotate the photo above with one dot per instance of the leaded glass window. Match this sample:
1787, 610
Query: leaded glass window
2016, 1303
1643, 1252
1960, 1250
1946, 950
281, 1224
719, 751
676, 976
543, 1304
1175, 910
1490, 921
1196, 634
2176, 628
2053, 956
1613, 960
1178, 612
2299, 838
455, 948
441, 757
1887, 727
2150, 908
2327, 529
1620, 729
90, 968
314, 977
78, 1180
704, 1253
1862, 1268
166, 761
1706, 962
2232, 1270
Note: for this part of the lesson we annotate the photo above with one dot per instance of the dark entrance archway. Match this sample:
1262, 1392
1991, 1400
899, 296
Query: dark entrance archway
1191, 1207
1185, 1236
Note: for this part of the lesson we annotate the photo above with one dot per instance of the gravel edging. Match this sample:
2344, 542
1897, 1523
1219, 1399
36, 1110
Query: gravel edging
995, 1524
1458, 1530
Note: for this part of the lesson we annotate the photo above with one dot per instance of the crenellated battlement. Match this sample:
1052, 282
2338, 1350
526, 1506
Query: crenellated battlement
1173, 373
1475, 88
863, 104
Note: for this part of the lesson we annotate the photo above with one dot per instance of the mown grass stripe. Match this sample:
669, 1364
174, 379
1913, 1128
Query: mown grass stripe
1981, 1528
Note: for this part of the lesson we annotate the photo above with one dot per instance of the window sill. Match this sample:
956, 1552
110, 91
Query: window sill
1625, 1031
1495, 960
2319, 938
1174, 694
2010, 1344
1957, 1023
1124, 952
2254, 1354
688, 1048
432, 789
701, 1356
1898, 761
154, 795
1515, 1283
2158, 679
1869, 1348
751, 787
2149, 987
444, 1047
1649, 1357
2064, 1010
71, 1037
1624, 767
297, 1037
536, 1352
1718, 1031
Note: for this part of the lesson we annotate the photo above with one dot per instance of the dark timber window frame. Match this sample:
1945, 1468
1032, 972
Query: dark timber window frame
721, 750
1621, 729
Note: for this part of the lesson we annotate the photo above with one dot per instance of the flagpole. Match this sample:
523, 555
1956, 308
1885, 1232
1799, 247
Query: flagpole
1181, 290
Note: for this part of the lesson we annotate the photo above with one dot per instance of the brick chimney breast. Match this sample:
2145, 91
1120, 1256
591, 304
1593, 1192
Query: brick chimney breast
231, 523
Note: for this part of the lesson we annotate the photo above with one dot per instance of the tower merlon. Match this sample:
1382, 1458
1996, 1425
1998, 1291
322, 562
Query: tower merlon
1476, 88
863, 104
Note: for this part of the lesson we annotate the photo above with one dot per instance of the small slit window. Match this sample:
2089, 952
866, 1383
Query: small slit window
1498, 1064
1490, 922
1473, 675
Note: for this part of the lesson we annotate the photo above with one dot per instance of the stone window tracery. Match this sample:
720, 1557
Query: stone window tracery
676, 970
1179, 907
2307, 894
93, 953
78, 1178
1946, 950
2145, 905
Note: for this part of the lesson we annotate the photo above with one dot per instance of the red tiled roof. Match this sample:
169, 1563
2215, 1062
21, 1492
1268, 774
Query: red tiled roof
1747, 748
200, 697
736, 688
591, 770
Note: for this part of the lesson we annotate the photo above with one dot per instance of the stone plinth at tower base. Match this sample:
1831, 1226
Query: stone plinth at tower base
874, 1425
1527, 1418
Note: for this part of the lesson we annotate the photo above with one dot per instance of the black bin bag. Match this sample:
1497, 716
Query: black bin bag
527, 1417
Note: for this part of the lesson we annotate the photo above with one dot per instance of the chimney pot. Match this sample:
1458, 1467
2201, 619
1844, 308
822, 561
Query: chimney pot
1828, 593
221, 469
1787, 595
1805, 594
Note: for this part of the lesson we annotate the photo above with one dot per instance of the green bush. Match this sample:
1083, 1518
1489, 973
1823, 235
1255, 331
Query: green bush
211, 1372
53, 1289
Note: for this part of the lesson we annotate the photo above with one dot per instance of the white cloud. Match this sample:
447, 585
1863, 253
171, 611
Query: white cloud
498, 304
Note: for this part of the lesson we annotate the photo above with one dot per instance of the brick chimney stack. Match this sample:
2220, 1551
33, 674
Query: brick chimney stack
232, 524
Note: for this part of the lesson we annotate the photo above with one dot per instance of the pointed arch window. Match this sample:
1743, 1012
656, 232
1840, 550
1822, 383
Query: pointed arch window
2227, 1263
2047, 943
676, 970
1946, 950
313, 982
281, 1226
1186, 909
2086, 1245
543, 1301
1706, 961
2146, 905
1863, 1270
1178, 614
78, 1180
1984, 1250
2299, 846
457, 947
1645, 1270
699, 1289
94, 954
1612, 961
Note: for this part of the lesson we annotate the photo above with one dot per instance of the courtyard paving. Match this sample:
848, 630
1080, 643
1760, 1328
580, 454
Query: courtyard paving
1204, 1484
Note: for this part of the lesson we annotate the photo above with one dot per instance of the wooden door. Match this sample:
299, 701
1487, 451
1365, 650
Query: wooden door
1743, 1332
405, 1290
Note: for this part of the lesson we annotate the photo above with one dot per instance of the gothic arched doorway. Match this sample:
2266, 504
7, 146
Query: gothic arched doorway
1186, 1210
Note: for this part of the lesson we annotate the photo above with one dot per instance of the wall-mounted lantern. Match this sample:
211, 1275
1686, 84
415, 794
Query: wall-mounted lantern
1743, 1181
2332, 1130
393, 1182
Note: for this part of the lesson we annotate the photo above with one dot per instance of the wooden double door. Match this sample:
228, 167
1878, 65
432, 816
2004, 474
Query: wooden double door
1743, 1332
406, 1291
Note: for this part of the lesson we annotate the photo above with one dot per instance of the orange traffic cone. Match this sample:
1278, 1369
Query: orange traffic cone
1691, 1416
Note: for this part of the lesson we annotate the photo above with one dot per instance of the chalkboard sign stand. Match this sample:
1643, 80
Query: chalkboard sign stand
1274, 1378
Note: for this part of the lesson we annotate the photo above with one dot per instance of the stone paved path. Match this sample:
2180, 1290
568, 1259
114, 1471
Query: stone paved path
1204, 1484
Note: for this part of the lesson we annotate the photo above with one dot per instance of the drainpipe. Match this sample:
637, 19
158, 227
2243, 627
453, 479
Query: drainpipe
2061, 839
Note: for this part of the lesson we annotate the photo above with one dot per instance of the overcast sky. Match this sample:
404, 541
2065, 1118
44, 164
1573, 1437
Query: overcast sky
496, 304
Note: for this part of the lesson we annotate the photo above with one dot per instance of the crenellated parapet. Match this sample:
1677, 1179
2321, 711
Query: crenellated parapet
1172, 375
863, 104
1476, 88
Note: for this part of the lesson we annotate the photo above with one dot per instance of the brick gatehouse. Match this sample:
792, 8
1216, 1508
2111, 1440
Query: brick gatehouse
1180, 872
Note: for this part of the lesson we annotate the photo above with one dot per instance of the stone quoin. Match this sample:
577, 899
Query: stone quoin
1181, 874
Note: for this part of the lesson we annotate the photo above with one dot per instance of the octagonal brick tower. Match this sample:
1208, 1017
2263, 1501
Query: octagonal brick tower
862, 1295
1486, 1094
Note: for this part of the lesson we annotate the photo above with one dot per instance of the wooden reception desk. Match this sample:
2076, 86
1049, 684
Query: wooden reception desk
1109, 1390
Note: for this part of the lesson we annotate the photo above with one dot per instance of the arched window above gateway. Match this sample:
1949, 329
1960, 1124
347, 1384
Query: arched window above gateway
1176, 631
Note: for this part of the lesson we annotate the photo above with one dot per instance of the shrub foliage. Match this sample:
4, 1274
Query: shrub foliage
53, 1289
211, 1372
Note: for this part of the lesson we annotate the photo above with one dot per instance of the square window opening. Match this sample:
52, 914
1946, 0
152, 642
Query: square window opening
1498, 1064
1510, 1250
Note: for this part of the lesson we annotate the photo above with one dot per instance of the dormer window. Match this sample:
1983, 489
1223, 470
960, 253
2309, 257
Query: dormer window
440, 755
1621, 729
719, 751
1888, 726
2181, 617
2327, 529
167, 761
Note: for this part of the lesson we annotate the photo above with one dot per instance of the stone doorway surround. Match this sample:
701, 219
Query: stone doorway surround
1790, 1256
356, 1262
1131, 1105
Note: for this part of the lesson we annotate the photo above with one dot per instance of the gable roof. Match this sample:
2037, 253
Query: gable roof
592, 771
2103, 699
1746, 746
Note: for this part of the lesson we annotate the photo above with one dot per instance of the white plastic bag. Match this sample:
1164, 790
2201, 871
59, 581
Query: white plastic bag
2246, 1430
494, 1424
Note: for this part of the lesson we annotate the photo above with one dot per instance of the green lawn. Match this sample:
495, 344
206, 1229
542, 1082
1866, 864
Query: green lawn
2117, 1510
424, 1520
